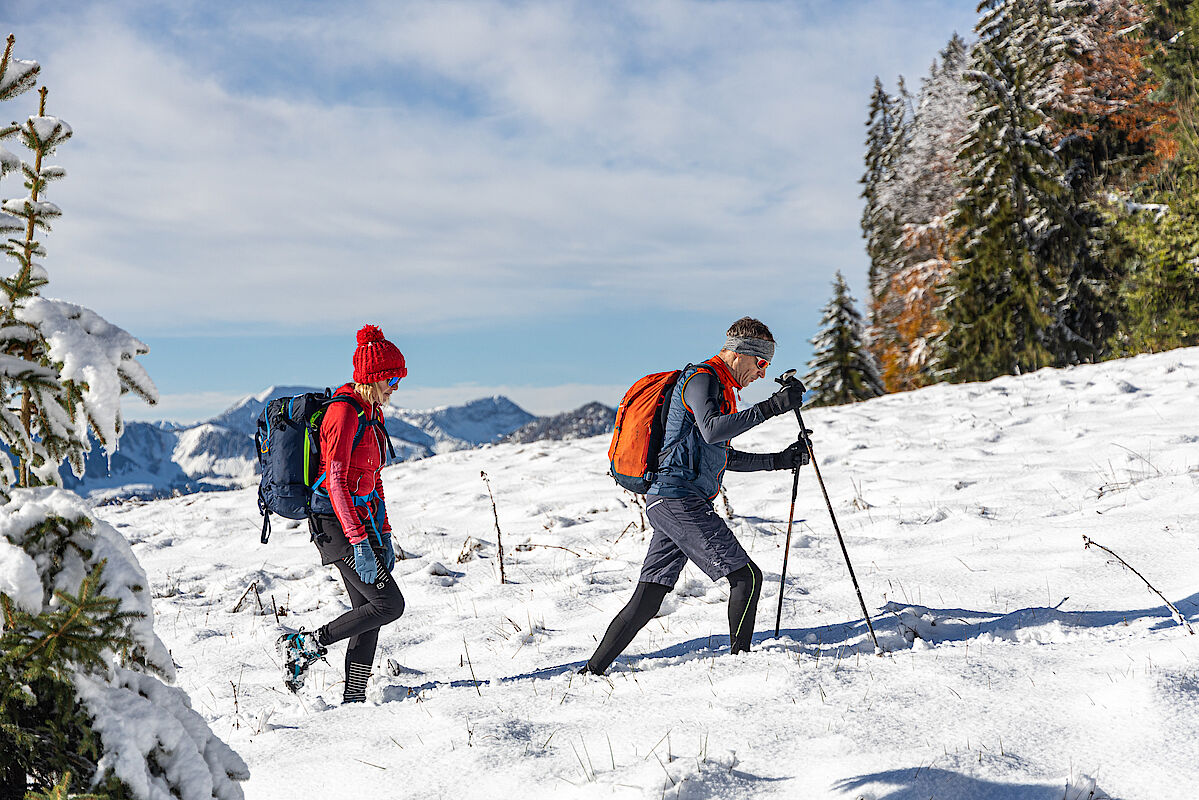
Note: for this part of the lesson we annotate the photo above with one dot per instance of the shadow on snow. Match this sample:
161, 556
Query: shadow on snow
893, 625
922, 783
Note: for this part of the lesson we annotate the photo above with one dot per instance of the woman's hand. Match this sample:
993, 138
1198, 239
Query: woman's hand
364, 562
389, 553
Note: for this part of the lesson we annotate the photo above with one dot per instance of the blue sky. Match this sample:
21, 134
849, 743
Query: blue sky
543, 200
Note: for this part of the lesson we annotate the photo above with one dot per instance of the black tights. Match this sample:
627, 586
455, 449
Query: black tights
745, 587
374, 605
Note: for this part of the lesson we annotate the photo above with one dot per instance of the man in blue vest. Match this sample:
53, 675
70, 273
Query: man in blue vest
695, 453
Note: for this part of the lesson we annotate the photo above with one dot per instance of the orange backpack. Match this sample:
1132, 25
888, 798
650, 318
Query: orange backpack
640, 425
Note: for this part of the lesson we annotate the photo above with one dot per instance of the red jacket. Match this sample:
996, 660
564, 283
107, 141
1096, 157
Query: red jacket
354, 474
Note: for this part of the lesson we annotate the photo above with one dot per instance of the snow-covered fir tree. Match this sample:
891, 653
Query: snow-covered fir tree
81, 670
1000, 298
923, 190
884, 134
926, 172
886, 140
842, 369
62, 367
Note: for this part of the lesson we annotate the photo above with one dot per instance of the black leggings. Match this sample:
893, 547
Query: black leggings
373, 606
745, 587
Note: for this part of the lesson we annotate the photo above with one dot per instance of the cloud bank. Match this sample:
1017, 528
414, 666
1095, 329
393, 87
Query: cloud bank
453, 164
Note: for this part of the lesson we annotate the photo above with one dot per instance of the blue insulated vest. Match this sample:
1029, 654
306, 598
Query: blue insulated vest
687, 465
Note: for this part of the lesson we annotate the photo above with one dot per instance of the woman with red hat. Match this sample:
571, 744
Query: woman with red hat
349, 520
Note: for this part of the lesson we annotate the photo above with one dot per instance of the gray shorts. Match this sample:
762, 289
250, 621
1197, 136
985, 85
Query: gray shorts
689, 528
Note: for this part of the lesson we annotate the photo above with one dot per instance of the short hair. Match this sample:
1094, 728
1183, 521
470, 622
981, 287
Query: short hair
750, 328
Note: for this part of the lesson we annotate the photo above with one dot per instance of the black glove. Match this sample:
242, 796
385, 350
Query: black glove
782, 401
793, 457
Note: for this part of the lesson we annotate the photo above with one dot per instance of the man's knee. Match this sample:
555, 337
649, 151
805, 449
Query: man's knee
644, 604
750, 576
756, 572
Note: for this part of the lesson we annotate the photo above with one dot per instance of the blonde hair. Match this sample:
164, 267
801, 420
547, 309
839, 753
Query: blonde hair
370, 393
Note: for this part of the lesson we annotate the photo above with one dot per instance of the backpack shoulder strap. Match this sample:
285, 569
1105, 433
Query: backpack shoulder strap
704, 367
364, 423
708, 368
345, 398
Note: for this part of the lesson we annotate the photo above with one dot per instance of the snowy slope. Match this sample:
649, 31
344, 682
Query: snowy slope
1020, 665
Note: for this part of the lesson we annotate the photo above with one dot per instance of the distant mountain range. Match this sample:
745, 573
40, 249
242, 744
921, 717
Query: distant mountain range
160, 459
590, 420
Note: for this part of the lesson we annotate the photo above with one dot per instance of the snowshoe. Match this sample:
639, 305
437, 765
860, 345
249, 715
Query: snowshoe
298, 650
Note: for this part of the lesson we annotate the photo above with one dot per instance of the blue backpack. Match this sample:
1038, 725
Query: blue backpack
288, 443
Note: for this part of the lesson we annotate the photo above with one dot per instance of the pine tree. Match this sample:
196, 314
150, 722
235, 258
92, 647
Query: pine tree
926, 190
1161, 289
1171, 28
887, 136
883, 138
44, 727
63, 366
999, 301
1111, 134
926, 172
842, 369
80, 664
878, 135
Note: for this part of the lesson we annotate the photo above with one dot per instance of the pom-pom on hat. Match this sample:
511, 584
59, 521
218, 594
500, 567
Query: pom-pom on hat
376, 359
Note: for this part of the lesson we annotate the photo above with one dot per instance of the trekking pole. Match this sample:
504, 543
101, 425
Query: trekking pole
785, 379
778, 617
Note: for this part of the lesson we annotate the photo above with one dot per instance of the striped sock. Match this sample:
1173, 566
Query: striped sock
356, 678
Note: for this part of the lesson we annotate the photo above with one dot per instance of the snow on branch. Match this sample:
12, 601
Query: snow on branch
156, 743
8, 161
1159, 209
49, 132
150, 738
96, 355
16, 76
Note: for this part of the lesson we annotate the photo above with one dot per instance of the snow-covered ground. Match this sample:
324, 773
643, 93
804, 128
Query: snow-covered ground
1038, 669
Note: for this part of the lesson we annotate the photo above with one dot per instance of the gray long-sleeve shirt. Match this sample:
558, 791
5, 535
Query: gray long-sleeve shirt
701, 396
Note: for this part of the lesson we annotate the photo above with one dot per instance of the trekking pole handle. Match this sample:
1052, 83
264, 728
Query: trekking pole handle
788, 378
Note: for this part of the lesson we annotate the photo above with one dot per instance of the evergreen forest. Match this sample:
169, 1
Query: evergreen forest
1034, 202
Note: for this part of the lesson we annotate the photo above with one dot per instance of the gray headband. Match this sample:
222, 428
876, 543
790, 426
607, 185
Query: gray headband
758, 348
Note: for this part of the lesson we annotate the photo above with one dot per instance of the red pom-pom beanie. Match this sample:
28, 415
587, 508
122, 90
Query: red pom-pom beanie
376, 359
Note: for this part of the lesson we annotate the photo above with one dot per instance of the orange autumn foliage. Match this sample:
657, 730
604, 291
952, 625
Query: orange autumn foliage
1108, 88
905, 359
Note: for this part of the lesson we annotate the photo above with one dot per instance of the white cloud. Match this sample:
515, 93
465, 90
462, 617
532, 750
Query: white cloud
665, 151
185, 407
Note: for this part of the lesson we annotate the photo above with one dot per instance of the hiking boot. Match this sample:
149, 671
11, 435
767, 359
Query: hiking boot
298, 650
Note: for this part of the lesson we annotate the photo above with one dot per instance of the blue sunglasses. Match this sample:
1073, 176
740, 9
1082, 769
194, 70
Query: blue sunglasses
393, 382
